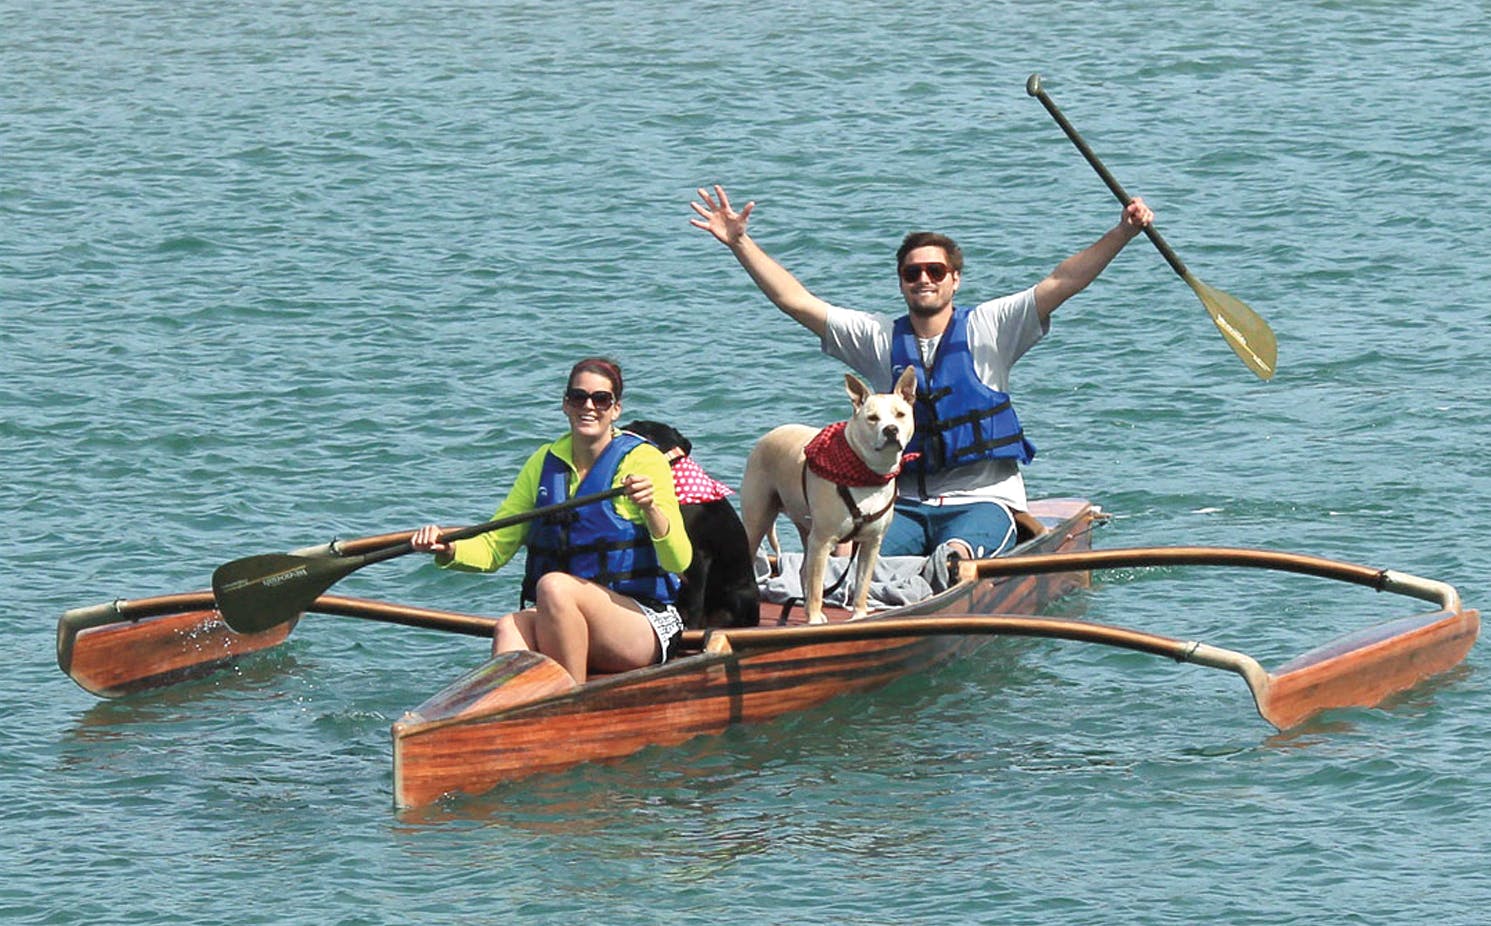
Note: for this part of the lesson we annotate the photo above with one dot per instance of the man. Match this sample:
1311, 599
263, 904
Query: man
964, 491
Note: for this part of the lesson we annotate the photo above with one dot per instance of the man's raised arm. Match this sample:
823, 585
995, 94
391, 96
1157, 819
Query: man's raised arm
780, 286
1073, 275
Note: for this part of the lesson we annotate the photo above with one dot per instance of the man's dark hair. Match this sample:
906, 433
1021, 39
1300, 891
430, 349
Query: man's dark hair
923, 239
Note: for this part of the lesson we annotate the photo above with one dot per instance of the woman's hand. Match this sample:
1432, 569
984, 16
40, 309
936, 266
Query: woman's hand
639, 490
427, 540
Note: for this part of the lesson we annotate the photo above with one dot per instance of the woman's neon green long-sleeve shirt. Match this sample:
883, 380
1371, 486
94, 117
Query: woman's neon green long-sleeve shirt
493, 550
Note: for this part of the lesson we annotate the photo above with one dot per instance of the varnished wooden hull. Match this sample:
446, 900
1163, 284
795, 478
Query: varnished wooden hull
468, 739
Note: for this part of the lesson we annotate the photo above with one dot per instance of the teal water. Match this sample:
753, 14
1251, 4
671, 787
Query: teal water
273, 273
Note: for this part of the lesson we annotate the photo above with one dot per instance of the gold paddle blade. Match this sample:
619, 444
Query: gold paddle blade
1246, 332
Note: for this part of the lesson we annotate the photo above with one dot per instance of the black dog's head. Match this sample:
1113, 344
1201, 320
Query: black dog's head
665, 437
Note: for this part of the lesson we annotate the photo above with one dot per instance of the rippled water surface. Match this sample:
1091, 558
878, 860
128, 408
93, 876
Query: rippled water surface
272, 273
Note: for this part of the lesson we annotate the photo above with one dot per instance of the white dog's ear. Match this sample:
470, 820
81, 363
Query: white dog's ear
856, 388
906, 385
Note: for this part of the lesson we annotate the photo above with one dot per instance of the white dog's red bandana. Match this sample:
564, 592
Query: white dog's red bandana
830, 456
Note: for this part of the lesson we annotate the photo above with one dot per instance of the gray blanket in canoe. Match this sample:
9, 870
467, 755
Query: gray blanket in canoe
897, 580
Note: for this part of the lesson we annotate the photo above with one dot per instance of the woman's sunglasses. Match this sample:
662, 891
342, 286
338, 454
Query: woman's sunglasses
601, 399
935, 272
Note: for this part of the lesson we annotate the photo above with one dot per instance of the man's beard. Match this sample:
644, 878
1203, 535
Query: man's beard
924, 311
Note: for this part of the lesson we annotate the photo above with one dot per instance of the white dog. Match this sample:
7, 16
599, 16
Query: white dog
836, 485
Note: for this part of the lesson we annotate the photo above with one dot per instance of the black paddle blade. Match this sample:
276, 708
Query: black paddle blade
259, 592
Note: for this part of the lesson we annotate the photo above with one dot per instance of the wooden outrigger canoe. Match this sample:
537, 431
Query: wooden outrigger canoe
519, 714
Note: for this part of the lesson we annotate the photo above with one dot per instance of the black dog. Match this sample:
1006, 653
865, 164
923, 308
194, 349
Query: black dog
719, 588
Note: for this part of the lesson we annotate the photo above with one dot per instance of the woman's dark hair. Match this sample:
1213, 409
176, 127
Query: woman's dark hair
600, 366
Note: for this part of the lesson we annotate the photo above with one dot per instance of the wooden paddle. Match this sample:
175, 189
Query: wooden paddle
1248, 334
258, 592
1358, 670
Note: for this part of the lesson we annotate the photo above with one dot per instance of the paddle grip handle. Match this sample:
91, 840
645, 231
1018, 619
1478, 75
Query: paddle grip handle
1033, 87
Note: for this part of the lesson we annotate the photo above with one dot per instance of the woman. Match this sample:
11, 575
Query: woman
602, 578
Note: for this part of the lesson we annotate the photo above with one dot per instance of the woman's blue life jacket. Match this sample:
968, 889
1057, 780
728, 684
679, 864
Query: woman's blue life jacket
959, 419
594, 542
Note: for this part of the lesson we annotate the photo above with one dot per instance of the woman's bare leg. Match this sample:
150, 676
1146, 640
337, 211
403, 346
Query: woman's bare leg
514, 632
580, 624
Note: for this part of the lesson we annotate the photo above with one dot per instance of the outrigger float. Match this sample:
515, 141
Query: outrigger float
520, 714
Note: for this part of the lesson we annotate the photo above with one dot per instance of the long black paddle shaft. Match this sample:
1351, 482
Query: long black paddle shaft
1033, 87
463, 533
258, 592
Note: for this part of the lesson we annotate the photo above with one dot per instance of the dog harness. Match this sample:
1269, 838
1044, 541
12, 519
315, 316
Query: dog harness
959, 419
594, 542
830, 457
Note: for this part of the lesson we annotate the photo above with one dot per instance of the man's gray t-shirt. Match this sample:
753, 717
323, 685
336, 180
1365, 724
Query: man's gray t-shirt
999, 332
